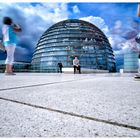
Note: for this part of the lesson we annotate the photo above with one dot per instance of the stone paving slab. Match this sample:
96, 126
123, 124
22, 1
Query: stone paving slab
113, 98
23, 121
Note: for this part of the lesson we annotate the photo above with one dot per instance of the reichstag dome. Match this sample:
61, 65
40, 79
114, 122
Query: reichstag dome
69, 38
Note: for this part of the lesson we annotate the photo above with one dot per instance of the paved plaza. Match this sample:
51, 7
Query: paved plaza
68, 105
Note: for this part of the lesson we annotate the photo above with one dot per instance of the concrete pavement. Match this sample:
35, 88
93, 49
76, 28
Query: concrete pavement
68, 105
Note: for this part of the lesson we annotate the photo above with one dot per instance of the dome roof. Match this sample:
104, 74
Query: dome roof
84, 28
73, 37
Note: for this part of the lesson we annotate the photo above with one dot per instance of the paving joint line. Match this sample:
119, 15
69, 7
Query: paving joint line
74, 114
37, 85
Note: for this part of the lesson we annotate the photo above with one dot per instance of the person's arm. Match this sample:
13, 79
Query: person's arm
78, 63
17, 28
5, 33
73, 62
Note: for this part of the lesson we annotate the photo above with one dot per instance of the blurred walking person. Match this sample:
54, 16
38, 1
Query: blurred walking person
9, 30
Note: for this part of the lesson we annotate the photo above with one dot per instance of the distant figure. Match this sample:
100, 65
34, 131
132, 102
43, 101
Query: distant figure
139, 64
76, 65
9, 40
60, 67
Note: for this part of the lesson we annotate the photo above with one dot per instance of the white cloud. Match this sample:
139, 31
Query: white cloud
97, 21
130, 45
117, 29
111, 40
117, 40
50, 13
76, 9
118, 24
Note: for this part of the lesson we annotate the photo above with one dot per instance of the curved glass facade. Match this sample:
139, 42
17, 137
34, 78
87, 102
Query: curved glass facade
69, 38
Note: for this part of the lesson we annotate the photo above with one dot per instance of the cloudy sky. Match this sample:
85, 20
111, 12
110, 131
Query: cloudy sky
118, 21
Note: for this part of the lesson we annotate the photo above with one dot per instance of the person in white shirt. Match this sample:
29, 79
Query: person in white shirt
76, 65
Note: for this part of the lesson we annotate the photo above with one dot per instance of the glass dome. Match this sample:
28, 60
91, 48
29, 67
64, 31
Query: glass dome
67, 39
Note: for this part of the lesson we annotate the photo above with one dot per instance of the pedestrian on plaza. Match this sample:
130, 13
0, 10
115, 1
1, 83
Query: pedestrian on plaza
60, 65
9, 30
76, 65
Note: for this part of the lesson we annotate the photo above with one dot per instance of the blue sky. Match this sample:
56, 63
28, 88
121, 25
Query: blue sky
118, 21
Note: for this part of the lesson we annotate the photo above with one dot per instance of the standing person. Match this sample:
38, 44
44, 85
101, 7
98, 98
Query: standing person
9, 39
60, 67
76, 65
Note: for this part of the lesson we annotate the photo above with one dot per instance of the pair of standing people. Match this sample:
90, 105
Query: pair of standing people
9, 40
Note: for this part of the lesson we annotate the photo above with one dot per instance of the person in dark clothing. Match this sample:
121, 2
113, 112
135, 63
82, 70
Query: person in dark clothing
60, 67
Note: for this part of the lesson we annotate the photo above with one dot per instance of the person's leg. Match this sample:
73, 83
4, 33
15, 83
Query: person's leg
61, 69
11, 68
79, 68
10, 58
7, 69
74, 69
